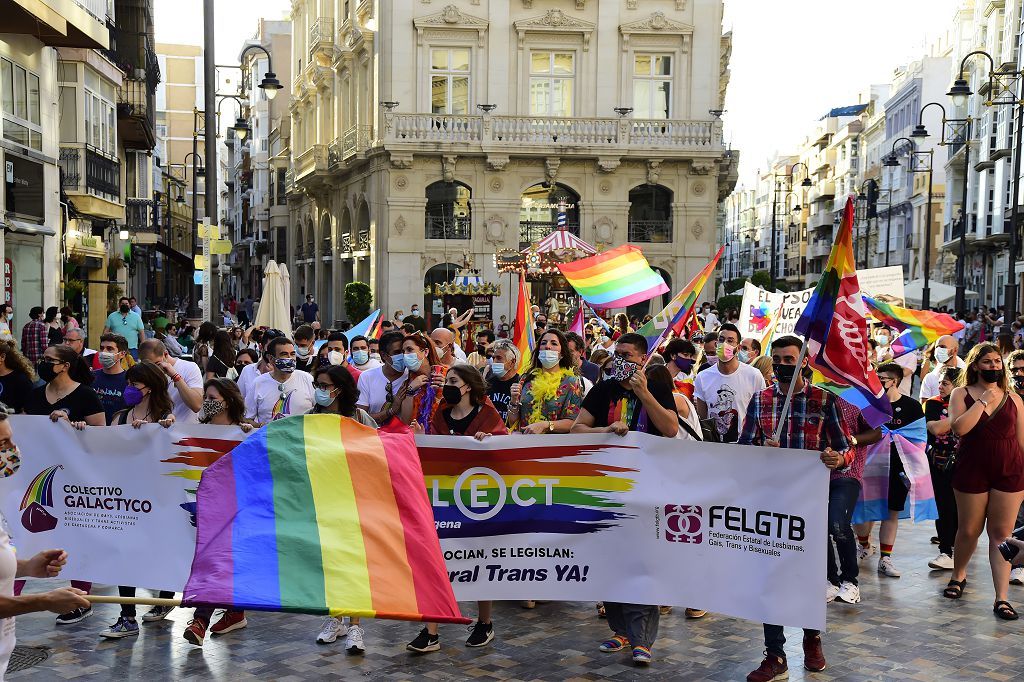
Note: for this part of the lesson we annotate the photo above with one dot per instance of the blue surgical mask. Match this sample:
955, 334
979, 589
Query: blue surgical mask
743, 355
498, 369
323, 397
412, 361
549, 358
360, 357
398, 362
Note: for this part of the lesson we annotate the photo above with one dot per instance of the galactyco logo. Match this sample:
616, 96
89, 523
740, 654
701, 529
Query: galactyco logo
39, 495
683, 523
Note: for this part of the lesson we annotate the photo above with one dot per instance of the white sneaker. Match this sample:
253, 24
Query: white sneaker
1017, 576
830, 592
848, 593
886, 567
864, 552
944, 562
354, 641
331, 630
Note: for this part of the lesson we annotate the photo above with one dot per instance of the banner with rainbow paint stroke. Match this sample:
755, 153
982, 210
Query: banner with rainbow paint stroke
533, 517
107, 495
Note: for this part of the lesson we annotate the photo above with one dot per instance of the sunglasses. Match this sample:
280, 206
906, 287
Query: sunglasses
324, 387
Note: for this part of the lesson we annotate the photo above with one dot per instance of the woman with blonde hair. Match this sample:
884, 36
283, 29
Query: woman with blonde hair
763, 364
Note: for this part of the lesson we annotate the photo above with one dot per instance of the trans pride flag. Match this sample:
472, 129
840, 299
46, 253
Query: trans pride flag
320, 514
836, 331
918, 327
873, 504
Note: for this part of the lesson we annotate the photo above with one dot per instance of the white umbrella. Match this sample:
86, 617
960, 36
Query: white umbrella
273, 310
939, 294
286, 285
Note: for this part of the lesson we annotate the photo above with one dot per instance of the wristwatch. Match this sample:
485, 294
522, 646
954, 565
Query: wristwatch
983, 402
551, 426
853, 439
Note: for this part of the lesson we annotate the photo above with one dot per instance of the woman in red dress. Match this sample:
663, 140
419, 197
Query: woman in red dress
989, 479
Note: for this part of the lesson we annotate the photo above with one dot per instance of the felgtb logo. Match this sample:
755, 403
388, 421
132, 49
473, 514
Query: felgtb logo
683, 523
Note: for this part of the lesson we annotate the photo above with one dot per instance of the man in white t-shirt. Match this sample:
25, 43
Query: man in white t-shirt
377, 385
883, 354
946, 349
282, 391
723, 391
359, 347
185, 380
250, 372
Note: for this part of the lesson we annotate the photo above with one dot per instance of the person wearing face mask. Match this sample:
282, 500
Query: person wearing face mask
464, 411
501, 374
623, 403
310, 310
1016, 364
282, 391
244, 358
680, 357
481, 354
337, 353
884, 353
548, 397
420, 396
16, 376
943, 355
414, 318
184, 378
380, 389
110, 380
723, 391
222, 355
444, 342
585, 368
147, 402
750, 350
54, 326
361, 358
68, 391
247, 376
305, 349
709, 348
812, 424
128, 324
942, 445
988, 482
6, 320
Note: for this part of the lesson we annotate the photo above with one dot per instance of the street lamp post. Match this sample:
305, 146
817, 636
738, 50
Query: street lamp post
776, 188
866, 201
920, 162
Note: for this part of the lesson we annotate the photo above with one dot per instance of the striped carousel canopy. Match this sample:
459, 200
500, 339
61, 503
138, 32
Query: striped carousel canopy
560, 240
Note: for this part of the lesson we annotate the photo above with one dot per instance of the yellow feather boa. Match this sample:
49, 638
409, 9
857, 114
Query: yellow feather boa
544, 387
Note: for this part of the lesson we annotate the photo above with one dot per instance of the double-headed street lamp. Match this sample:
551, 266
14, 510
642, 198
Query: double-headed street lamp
1004, 87
864, 204
776, 188
920, 162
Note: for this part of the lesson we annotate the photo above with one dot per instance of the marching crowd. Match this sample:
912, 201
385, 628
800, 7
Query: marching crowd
459, 378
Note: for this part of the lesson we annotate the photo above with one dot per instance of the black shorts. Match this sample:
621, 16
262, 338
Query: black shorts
898, 488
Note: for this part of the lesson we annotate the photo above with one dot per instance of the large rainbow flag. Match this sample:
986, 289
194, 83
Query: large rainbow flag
873, 504
320, 514
918, 327
835, 327
679, 308
523, 335
615, 278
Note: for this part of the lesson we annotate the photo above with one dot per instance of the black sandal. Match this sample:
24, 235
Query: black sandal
1004, 610
955, 589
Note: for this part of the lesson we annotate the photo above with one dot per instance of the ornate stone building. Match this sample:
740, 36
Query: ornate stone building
428, 134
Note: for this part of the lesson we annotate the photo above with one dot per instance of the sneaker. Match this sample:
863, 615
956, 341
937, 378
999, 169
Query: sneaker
664, 610
1017, 575
814, 657
772, 668
641, 656
354, 641
122, 628
74, 616
424, 642
229, 622
195, 633
157, 613
943, 562
830, 592
694, 614
886, 567
848, 593
864, 551
331, 630
616, 643
480, 634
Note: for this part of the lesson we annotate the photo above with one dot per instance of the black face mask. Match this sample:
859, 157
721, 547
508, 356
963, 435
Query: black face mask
784, 373
1018, 381
46, 371
125, 309
990, 376
451, 394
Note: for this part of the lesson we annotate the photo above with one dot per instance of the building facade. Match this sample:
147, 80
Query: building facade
426, 138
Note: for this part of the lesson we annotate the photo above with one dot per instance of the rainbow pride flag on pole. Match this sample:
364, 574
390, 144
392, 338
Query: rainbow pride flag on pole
918, 327
873, 504
615, 278
320, 514
523, 335
679, 308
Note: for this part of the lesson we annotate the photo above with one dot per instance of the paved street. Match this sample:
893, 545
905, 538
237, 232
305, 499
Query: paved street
904, 630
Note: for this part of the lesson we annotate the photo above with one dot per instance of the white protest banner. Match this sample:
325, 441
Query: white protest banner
883, 284
732, 529
118, 499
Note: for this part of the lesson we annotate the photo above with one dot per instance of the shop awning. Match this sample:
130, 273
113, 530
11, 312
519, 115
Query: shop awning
21, 226
175, 255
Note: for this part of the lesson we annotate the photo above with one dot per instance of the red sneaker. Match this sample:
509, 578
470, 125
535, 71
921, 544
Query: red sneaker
231, 620
814, 657
195, 633
772, 668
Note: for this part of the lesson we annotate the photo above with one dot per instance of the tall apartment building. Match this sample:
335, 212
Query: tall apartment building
425, 137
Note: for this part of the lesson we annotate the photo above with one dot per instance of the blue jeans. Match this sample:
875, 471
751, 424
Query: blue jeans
842, 497
636, 622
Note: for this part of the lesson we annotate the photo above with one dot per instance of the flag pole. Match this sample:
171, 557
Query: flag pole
789, 396
139, 601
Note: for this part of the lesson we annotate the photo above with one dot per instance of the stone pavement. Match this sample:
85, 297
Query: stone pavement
903, 630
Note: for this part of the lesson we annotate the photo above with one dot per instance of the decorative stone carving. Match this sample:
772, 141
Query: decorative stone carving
495, 229
581, 4
496, 184
653, 171
554, 21
401, 182
680, 5
698, 188
631, 4
608, 165
400, 224
448, 168
701, 167
427, 261
697, 228
403, 161
658, 24
604, 227
605, 187
551, 165
497, 162
451, 17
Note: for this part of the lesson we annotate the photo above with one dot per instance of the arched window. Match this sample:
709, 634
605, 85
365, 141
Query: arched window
650, 214
448, 213
539, 214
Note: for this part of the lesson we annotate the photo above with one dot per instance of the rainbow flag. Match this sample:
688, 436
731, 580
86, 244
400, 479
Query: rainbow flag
614, 279
919, 327
320, 514
679, 308
523, 335
873, 504
577, 321
836, 330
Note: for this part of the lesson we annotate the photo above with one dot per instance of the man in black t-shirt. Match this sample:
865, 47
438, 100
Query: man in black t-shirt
619, 405
502, 372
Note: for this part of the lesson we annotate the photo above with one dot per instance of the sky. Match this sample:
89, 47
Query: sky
792, 60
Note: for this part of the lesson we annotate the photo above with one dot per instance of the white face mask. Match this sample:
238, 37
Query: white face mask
941, 354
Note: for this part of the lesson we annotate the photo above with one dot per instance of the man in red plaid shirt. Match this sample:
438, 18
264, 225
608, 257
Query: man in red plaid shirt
34, 339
